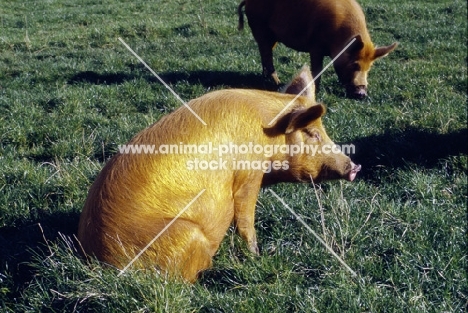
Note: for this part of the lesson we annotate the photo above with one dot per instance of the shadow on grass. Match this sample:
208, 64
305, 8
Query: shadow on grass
91, 77
395, 149
220, 78
208, 79
19, 244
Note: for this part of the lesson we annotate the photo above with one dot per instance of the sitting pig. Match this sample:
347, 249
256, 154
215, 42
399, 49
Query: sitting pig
138, 194
321, 28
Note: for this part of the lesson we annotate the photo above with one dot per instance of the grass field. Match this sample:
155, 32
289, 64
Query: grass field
70, 93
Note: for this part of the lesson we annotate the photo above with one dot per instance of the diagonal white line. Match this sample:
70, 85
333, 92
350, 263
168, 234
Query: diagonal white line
309, 84
161, 232
162, 81
313, 233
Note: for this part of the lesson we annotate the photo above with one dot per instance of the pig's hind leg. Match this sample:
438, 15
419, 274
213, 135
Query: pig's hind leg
185, 249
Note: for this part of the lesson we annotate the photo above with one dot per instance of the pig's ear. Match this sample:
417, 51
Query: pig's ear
357, 44
302, 81
303, 117
380, 52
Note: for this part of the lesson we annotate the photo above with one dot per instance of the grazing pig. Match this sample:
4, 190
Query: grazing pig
137, 195
321, 28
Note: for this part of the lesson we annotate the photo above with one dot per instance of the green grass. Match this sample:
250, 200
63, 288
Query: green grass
70, 93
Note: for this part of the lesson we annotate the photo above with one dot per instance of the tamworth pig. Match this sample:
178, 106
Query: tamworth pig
136, 194
320, 27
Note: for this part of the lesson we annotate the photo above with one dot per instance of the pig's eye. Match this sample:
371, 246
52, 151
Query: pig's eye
314, 135
355, 67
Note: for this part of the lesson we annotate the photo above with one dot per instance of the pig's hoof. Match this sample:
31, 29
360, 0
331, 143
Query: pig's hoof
274, 76
254, 249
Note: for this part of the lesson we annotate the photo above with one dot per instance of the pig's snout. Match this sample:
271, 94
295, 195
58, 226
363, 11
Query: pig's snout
351, 175
356, 92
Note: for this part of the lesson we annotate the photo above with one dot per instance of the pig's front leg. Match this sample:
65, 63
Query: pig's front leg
266, 43
245, 198
316, 64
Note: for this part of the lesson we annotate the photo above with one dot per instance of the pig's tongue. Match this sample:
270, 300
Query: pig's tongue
352, 174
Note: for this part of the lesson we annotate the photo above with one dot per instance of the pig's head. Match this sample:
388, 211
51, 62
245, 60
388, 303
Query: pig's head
302, 126
354, 64
320, 158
